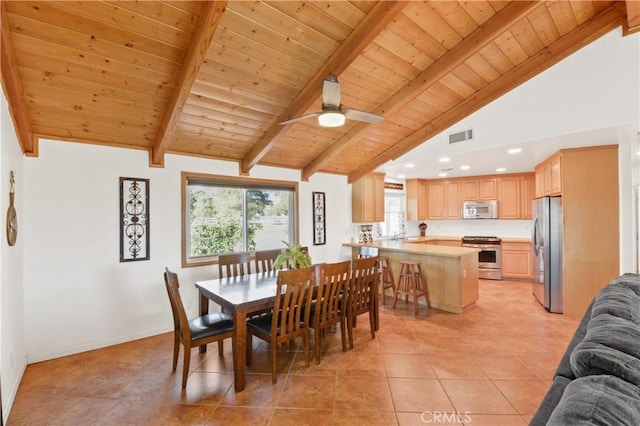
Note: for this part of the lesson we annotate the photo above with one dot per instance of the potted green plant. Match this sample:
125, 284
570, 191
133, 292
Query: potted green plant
293, 257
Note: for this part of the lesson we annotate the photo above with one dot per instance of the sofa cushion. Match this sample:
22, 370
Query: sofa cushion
621, 298
550, 401
610, 346
598, 400
564, 366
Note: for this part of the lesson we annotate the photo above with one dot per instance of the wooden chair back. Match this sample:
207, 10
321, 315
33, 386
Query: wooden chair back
180, 321
234, 265
361, 294
196, 332
265, 259
329, 301
290, 317
293, 308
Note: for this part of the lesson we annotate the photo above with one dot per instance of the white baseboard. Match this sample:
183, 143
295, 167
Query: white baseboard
72, 350
11, 396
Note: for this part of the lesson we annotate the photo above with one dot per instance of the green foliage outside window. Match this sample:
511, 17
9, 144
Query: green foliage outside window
217, 218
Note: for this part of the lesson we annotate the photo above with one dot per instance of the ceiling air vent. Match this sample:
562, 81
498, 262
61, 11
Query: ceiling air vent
461, 136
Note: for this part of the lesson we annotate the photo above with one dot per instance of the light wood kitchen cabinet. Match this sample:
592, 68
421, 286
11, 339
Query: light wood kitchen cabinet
539, 178
587, 180
516, 260
549, 176
555, 186
416, 194
527, 194
367, 199
450, 243
444, 197
453, 205
515, 193
488, 188
436, 202
509, 201
470, 190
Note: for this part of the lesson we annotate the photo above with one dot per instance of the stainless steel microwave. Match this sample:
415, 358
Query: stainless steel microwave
483, 209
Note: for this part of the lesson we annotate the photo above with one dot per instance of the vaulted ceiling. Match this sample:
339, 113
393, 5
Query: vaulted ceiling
215, 79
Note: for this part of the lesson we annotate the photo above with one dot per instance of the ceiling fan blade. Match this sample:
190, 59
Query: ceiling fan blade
302, 117
331, 96
367, 117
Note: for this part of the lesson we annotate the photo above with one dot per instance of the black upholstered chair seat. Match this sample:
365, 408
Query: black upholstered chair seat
262, 323
210, 325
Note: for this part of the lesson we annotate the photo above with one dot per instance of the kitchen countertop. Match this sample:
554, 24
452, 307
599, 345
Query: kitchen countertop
418, 245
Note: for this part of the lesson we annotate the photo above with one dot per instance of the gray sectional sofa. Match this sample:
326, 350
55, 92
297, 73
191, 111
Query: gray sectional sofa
598, 379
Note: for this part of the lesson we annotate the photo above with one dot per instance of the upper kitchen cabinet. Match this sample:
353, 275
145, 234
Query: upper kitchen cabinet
488, 188
470, 191
528, 193
548, 176
436, 203
367, 199
416, 193
480, 188
515, 193
444, 199
453, 205
509, 197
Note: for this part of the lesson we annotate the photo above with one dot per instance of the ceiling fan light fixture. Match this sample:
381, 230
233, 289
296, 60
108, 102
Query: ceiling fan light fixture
331, 119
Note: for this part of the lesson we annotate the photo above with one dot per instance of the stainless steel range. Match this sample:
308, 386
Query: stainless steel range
489, 257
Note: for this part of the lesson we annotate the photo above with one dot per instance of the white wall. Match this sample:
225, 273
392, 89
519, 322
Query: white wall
12, 344
78, 296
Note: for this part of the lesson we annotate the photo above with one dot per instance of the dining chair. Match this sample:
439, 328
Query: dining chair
265, 259
234, 265
329, 302
361, 291
386, 280
214, 327
290, 317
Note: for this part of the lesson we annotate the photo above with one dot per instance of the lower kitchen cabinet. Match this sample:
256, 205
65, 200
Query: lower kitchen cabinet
516, 260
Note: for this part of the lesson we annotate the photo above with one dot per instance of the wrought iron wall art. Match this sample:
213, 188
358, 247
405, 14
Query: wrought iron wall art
319, 223
134, 219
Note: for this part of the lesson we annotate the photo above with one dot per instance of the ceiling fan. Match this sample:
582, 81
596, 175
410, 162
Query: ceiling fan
332, 114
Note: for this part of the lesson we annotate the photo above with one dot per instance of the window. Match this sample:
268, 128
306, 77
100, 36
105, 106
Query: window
394, 215
223, 214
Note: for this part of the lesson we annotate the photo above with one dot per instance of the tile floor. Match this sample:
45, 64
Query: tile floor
489, 366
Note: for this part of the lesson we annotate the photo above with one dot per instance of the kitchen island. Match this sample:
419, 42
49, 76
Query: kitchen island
451, 273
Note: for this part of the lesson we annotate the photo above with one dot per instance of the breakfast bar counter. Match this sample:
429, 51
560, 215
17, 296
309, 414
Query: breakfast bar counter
451, 273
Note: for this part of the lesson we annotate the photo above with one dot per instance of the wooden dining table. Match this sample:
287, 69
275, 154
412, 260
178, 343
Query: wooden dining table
240, 296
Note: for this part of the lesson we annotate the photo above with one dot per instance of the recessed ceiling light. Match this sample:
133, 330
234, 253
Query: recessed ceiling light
409, 165
515, 150
443, 174
465, 167
444, 159
401, 176
501, 169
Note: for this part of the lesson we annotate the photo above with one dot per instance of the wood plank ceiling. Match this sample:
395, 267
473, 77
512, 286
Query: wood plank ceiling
215, 79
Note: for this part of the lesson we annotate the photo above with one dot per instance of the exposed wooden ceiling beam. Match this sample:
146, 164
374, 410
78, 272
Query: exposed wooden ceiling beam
482, 36
602, 23
368, 29
14, 91
194, 57
633, 17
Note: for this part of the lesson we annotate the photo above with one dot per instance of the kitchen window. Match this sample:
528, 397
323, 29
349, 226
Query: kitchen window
394, 214
222, 214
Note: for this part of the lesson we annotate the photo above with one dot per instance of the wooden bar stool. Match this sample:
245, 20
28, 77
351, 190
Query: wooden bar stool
386, 277
410, 284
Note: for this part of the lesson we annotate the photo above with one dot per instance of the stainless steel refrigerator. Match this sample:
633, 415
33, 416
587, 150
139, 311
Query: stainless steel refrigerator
546, 238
